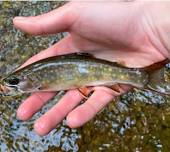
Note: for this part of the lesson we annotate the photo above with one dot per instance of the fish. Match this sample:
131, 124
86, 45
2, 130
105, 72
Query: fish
72, 71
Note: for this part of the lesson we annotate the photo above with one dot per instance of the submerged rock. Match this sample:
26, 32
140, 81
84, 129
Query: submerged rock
137, 121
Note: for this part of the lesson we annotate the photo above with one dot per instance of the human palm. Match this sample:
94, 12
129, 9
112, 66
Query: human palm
113, 31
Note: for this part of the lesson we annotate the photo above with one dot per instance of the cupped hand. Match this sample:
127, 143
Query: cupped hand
122, 32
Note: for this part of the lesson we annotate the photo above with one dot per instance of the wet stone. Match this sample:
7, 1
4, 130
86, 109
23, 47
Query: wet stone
138, 121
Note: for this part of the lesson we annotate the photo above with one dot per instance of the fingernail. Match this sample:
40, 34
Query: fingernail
22, 114
72, 121
41, 128
20, 18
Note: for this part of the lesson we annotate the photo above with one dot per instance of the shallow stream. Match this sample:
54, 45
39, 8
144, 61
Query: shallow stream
136, 122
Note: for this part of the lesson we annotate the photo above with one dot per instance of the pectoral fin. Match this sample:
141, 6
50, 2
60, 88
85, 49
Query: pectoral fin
85, 92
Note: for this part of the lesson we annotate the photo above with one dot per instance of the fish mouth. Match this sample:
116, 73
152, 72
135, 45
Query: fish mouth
6, 90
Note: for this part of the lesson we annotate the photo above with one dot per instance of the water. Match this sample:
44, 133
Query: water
136, 122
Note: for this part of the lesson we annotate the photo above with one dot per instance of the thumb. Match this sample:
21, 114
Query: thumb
58, 20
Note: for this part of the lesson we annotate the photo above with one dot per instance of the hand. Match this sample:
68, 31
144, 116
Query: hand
122, 32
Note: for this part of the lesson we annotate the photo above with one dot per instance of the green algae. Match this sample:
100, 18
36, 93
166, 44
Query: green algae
136, 122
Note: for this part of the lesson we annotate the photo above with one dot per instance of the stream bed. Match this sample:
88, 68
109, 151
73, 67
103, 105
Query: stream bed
138, 121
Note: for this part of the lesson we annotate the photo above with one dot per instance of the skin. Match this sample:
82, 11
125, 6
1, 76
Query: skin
132, 33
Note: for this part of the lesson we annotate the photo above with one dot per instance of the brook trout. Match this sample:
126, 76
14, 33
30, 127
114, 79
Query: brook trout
72, 71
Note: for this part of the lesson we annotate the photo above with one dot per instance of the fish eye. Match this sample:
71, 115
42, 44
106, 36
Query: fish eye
12, 80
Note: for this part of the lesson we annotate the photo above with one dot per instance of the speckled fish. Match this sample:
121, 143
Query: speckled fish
74, 71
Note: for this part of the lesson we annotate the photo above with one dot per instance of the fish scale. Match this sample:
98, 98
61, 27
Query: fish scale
71, 71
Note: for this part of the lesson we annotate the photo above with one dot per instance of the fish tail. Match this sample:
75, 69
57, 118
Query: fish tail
157, 82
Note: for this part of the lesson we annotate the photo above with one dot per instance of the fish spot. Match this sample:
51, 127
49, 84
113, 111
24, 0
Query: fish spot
122, 76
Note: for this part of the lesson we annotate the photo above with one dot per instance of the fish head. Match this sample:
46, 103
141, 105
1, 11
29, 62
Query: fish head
17, 83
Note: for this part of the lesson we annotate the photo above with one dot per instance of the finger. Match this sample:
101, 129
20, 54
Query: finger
55, 115
99, 99
64, 46
89, 109
58, 20
32, 104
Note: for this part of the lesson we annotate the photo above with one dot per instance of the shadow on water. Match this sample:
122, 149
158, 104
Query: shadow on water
136, 122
